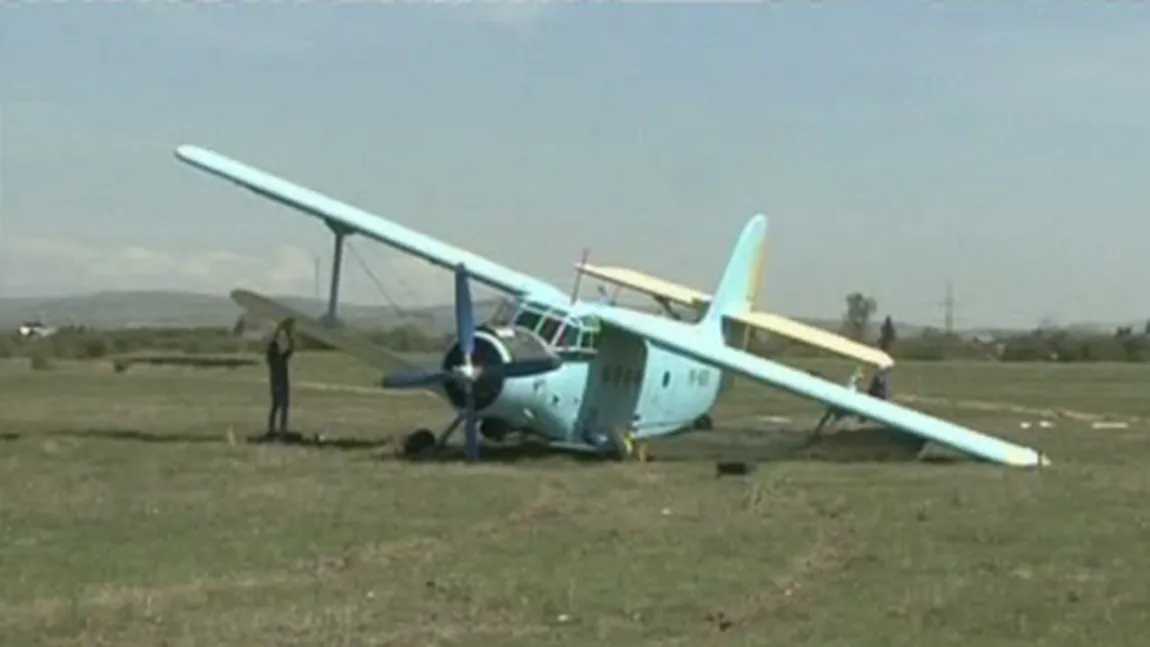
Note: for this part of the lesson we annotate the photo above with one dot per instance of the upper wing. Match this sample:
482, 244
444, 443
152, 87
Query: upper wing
647, 284
815, 336
334, 336
373, 226
765, 321
685, 339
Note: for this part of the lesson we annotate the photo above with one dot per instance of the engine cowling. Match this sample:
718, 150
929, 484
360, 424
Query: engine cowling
489, 351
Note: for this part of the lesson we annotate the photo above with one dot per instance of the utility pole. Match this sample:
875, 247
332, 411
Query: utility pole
948, 309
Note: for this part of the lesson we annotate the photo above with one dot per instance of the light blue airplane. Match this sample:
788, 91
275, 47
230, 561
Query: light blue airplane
586, 376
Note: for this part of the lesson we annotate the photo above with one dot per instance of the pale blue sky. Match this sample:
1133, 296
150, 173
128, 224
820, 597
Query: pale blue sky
895, 146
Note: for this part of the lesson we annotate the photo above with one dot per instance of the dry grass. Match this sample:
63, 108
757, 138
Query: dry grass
129, 517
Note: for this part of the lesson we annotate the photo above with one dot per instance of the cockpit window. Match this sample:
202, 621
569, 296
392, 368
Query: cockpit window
548, 330
569, 338
556, 327
527, 319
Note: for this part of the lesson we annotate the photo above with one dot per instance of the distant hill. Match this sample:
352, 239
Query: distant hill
158, 309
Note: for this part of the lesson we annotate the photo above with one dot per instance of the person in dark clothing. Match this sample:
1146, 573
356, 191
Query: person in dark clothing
880, 384
277, 355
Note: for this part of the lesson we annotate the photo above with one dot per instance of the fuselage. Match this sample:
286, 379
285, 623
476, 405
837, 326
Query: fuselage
606, 381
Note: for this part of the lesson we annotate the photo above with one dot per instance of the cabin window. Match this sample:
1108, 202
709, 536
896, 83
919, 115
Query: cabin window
548, 329
528, 320
666, 378
569, 338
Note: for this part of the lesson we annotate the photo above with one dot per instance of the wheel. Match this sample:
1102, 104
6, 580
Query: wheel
704, 423
621, 443
494, 430
418, 442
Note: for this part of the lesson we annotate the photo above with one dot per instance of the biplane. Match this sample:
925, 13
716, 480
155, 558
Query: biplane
580, 375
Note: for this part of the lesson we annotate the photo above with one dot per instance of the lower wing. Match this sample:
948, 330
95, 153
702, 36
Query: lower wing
686, 340
336, 336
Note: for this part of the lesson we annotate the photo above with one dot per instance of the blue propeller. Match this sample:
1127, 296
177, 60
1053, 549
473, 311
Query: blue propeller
466, 373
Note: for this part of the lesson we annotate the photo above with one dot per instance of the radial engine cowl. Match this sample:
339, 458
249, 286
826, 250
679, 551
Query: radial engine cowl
489, 351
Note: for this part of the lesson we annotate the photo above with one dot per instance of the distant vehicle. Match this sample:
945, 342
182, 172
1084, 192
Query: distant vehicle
35, 329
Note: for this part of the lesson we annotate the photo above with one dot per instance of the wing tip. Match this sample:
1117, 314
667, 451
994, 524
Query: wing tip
761, 217
187, 151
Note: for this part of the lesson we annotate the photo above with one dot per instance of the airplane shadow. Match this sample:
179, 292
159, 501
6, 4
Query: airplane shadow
509, 453
9, 436
146, 437
294, 439
863, 445
132, 435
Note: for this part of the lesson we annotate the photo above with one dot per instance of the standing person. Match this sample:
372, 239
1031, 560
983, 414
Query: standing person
880, 384
277, 354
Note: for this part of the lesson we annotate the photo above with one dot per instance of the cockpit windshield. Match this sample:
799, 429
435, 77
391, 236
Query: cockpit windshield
557, 328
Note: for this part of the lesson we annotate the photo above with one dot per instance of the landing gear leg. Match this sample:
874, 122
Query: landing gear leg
704, 423
830, 417
441, 442
622, 443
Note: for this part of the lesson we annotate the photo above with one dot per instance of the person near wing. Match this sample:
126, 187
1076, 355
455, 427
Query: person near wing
277, 356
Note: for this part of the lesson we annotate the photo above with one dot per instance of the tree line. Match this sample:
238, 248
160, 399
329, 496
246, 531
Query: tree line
1043, 343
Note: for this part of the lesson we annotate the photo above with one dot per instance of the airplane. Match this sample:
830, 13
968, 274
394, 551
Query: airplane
585, 376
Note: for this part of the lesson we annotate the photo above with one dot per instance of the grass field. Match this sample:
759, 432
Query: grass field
132, 512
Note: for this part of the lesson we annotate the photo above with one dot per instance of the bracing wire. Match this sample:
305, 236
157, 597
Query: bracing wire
378, 284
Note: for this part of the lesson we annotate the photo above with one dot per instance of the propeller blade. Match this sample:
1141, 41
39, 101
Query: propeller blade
523, 368
464, 316
471, 426
413, 379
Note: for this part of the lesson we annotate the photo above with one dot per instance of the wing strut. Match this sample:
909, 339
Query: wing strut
339, 233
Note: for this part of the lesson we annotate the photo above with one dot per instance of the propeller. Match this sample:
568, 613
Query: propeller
466, 373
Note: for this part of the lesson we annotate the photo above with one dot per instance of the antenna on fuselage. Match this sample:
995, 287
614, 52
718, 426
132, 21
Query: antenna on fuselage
579, 276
